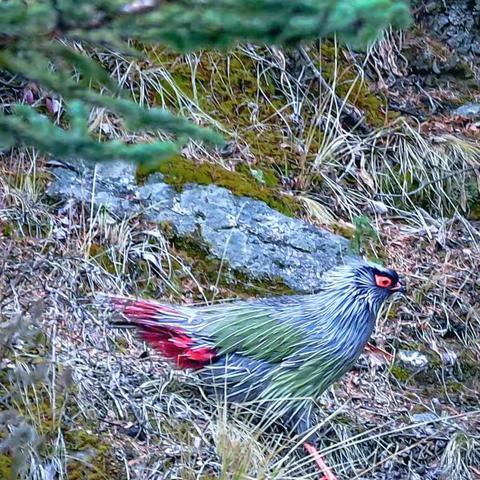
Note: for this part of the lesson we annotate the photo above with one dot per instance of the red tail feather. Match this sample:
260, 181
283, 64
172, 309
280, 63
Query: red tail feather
173, 342
141, 308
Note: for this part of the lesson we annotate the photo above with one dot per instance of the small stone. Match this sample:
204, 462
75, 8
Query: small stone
52, 104
468, 110
377, 207
412, 360
228, 149
28, 97
136, 431
173, 451
424, 417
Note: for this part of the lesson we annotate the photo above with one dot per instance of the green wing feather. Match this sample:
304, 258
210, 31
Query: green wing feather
254, 333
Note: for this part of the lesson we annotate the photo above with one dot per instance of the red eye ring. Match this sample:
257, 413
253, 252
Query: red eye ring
383, 281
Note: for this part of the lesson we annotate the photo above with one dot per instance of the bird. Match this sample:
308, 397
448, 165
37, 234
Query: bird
282, 352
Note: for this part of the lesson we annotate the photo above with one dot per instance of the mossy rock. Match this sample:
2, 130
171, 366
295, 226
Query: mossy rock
178, 172
212, 271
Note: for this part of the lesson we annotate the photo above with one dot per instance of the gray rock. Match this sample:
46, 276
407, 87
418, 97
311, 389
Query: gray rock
250, 236
468, 110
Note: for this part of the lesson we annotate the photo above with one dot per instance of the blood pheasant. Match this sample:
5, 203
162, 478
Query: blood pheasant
282, 351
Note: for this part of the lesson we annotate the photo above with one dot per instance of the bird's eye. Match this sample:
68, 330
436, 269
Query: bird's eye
383, 281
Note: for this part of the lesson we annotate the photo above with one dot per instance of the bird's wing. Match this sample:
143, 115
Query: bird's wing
193, 336
253, 329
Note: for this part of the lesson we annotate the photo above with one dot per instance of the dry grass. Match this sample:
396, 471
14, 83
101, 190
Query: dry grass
63, 370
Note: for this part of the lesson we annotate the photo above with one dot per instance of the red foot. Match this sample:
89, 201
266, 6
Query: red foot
325, 469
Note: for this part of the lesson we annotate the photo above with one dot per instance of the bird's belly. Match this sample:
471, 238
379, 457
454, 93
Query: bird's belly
236, 378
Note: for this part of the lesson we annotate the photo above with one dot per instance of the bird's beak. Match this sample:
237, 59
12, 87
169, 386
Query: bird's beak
398, 288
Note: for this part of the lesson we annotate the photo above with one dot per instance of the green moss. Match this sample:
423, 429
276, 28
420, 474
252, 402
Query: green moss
99, 254
30, 398
343, 419
265, 176
473, 194
6, 471
122, 344
344, 229
178, 172
454, 387
442, 389
474, 213
469, 366
6, 229
401, 374
350, 86
412, 346
237, 93
270, 178
100, 463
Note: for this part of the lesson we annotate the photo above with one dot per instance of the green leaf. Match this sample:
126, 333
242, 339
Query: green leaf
31, 128
88, 68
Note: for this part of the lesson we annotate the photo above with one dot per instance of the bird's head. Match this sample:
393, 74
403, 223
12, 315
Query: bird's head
382, 281
366, 280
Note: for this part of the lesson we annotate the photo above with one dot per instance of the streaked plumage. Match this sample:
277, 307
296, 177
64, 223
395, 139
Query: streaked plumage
280, 351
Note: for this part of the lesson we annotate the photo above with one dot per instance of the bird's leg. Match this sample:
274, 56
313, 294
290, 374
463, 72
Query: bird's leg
325, 469
301, 418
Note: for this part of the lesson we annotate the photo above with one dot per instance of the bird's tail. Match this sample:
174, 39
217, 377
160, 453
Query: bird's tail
164, 327
144, 312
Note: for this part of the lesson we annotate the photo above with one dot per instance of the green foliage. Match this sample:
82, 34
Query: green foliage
37, 44
28, 126
363, 231
191, 24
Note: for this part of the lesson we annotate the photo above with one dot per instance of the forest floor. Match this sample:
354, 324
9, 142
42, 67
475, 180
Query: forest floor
353, 140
